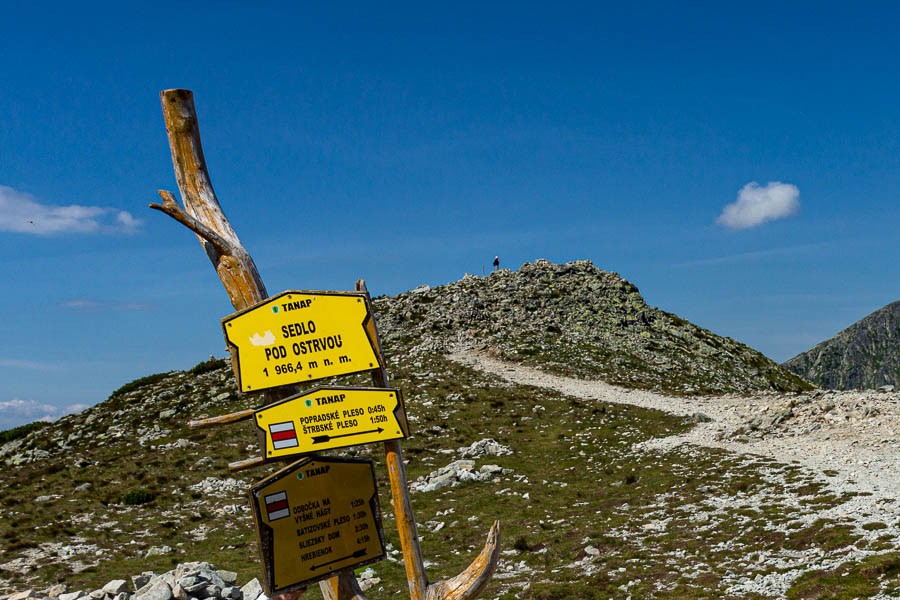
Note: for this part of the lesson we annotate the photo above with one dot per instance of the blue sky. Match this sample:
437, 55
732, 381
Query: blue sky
410, 144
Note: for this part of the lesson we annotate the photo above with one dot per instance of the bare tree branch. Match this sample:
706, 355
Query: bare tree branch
174, 210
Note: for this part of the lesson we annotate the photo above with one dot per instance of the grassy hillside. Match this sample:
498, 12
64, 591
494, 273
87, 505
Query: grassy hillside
583, 514
124, 487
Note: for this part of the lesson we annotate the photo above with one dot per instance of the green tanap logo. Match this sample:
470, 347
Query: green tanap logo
308, 402
275, 309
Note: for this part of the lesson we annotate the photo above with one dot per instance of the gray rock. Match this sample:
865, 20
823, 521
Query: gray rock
251, 590
491, 469
22, 595
116, 586
368, 579
73, 595
227, 577
157, 589
98, 594
232, 592
168, 577
55, 590
485, 447
139, 581
158, 550
192, 584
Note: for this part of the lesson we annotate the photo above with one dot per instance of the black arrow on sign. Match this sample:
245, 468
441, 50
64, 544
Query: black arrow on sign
318, 439
358, 554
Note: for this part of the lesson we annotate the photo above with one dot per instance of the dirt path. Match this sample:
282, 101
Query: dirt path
847, 439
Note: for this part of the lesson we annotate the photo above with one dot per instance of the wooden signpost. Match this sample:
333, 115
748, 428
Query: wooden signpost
297, 336
331, 417
319, 517
323, 418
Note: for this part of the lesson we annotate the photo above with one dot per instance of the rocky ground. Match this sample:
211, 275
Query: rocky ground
847, 440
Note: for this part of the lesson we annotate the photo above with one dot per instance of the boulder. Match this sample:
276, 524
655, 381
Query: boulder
157, 589
115, 587
251, 590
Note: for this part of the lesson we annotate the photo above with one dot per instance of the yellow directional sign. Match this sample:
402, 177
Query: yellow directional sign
331, 417
316, 517
300, 336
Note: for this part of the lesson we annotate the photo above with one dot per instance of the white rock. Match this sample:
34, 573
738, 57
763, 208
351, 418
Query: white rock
116, 586
252, 589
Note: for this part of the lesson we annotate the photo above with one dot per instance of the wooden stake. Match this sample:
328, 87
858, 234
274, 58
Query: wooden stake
221, 419
477, 575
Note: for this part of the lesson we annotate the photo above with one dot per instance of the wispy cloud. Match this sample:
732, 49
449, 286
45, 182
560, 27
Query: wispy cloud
754, 256
21, 213
18, 412
85, 304
755, 205
13, 363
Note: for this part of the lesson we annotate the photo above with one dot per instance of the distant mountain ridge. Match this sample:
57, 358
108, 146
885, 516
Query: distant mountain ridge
864, 355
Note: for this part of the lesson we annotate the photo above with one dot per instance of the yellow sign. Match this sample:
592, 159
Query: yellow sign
302, 336
316, 517
331, 417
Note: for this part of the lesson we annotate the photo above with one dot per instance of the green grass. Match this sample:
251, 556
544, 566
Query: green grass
851, 580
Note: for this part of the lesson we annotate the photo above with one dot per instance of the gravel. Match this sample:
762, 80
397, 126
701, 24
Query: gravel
847, 440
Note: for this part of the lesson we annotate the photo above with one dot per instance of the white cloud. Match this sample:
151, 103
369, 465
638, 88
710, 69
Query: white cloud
86, 304
17, 412
127, 222
21, 213
15, 363
755, 255
755, 205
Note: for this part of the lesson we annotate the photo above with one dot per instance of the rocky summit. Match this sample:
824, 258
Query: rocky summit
865, 355
577, 319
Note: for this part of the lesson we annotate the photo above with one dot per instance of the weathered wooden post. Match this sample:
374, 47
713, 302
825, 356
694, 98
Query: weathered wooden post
203, 215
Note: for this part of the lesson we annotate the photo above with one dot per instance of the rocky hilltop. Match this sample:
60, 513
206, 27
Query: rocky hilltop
865, 355
577, 319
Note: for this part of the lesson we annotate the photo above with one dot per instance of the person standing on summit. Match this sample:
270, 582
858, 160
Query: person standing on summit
496, 262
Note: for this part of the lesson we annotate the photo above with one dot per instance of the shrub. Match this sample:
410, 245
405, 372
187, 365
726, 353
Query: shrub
136, 498
137, 383
207, 365
20, 431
